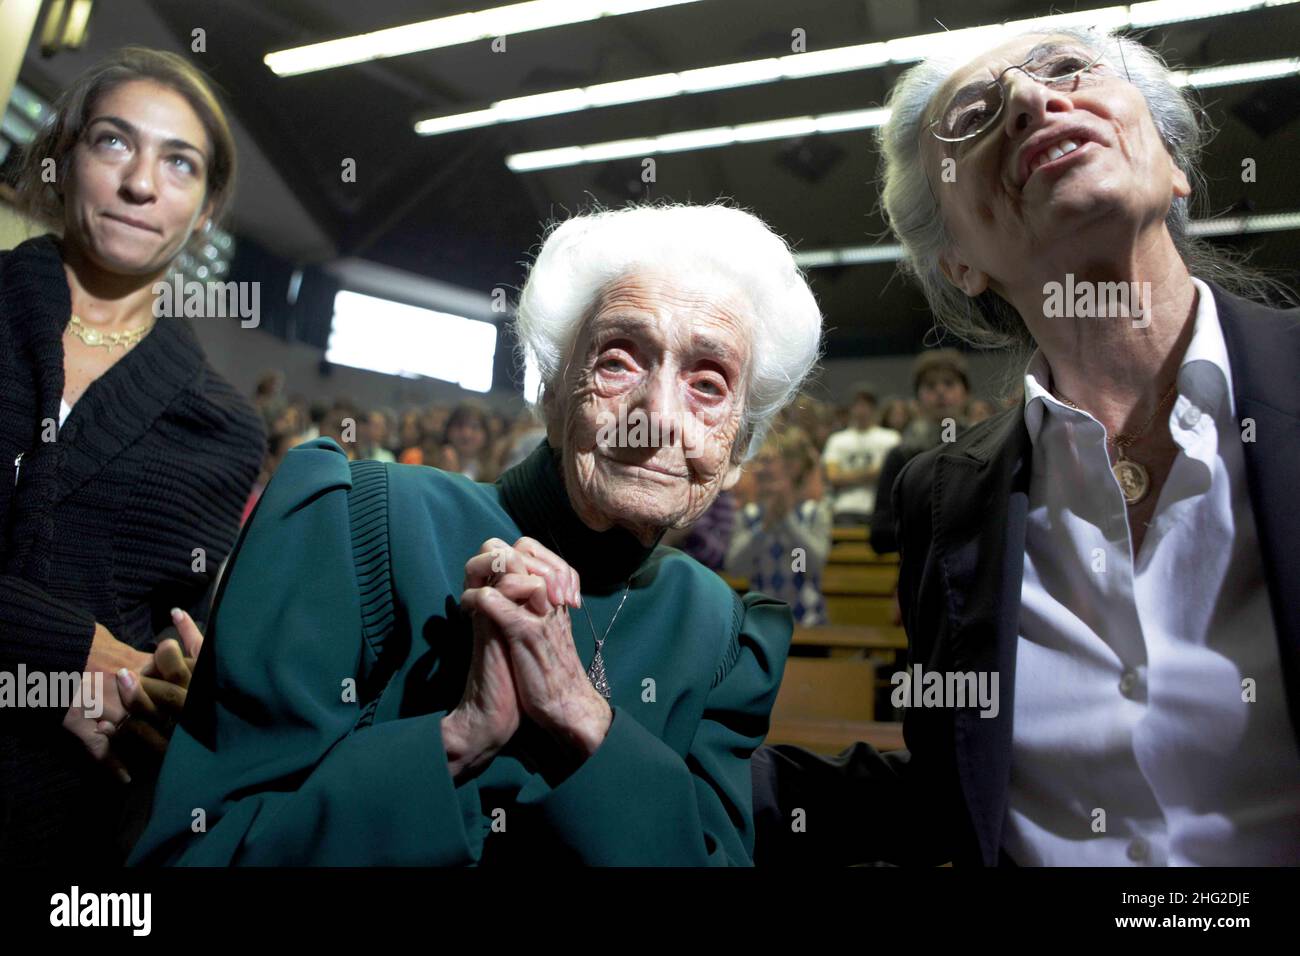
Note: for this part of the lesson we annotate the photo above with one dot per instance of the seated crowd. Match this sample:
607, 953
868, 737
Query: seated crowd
822, 465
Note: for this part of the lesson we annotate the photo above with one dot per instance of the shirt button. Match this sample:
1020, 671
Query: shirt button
1128, 682
1138, 850
1191, 416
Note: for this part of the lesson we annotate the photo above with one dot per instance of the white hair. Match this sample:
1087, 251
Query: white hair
718, 246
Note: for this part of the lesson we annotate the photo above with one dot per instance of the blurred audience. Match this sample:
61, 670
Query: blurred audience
786, 498
942, 385
467, 434
854, 458
780, 542
269, 398
708, 539
895, 414
979, 409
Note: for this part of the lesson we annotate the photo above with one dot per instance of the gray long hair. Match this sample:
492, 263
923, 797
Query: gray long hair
911, 208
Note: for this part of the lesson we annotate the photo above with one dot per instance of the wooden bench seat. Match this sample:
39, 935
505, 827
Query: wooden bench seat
834, 736
858, 638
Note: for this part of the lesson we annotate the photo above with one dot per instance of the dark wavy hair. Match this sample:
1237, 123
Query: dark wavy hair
75, 106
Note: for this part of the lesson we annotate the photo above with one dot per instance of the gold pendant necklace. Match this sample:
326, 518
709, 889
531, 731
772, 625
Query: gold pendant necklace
1134, 481
108, 340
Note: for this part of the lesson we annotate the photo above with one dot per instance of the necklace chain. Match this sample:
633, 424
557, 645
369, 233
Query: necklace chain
1121, 439
108, 340
596, 672
1132, 476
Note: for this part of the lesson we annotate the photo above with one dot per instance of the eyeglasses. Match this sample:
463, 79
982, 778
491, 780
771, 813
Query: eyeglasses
974, 109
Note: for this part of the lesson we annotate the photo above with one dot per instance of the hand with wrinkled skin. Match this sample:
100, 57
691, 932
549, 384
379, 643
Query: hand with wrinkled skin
525, 663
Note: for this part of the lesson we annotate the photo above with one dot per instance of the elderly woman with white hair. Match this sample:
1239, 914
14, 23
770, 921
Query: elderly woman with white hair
407, 667
1109, 565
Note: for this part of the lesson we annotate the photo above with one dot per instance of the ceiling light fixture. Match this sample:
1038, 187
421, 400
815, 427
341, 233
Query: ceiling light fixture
863, 56
892, 252
826, 123
510, 20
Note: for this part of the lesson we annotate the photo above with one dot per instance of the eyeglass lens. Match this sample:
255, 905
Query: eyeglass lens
973, 109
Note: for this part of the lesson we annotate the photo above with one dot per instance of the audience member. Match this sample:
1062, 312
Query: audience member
781, 541
854, 457
942, 386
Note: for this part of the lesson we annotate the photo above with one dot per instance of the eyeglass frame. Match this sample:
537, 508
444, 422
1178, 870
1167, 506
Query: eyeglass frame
997, 81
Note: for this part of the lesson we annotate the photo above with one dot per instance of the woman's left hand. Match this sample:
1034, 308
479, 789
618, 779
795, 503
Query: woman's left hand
173, 661
550, 681
154, 698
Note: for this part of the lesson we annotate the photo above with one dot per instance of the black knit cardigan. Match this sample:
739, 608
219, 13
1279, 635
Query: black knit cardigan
127, 514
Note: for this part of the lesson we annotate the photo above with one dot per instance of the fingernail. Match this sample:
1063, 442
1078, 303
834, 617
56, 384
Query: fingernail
124, 776
125, 677
177, 615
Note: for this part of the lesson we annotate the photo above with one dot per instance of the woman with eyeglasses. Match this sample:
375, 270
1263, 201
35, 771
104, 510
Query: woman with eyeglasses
1118, 549
130, 456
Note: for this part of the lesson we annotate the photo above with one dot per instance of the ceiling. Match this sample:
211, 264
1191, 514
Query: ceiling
447, 206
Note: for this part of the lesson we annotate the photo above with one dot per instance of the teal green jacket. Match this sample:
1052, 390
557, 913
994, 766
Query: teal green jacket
295, 749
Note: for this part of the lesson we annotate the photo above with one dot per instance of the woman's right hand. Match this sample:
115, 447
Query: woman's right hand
108, 655
488, 713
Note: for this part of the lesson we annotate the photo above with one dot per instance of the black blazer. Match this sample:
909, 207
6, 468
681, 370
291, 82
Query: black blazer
961, 516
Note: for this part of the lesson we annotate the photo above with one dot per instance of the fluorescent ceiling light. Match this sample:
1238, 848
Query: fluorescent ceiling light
696, 139
1158, 12
1237, 73
848, 256
863, 56
847, 121
510, 20
1236, 225
892, 252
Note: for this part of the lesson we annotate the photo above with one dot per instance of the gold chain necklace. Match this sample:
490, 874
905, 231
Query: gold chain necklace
108, 340
1134, 481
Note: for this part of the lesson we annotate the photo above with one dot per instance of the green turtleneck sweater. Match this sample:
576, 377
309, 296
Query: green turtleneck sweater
276, 761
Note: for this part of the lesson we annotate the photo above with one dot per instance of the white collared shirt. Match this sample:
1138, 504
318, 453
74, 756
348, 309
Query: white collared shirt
1135, 740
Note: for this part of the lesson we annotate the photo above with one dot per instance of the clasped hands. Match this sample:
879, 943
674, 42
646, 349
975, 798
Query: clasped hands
524, 663
144, 695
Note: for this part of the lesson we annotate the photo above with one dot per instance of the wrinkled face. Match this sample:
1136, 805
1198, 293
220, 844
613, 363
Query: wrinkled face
139, 179
651, 403
1011, 195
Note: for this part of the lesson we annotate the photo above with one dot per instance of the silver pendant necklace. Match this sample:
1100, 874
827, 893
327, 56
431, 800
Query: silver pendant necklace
596, 672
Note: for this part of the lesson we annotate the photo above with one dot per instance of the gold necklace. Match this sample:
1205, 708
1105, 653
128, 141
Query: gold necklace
108, 340
1134, 481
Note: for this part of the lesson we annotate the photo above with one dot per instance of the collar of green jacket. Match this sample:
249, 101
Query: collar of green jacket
534, 494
